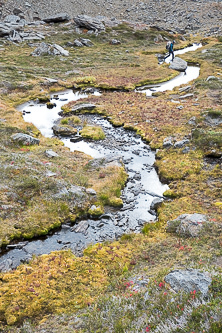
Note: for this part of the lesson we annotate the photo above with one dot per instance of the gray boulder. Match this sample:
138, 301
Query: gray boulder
64, 130
180, 144
77, 191
48, 49
90, 23
61, 50
86, 42
77, 43
156, 203
4, 30
61, 17
25, 139
167, 142
81, 227
12, 19
6, 265
50, 153
115, 42
178, 64
188, 280
187, 225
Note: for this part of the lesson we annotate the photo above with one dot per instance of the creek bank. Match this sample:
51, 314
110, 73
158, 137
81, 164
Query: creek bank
119, 146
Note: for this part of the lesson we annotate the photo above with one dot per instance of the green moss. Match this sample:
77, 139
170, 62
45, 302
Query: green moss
92, 132
95, 212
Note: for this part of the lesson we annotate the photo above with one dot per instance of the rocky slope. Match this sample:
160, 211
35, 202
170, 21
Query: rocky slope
180, 16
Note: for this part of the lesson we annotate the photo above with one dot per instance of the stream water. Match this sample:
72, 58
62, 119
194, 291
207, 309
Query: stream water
143, 185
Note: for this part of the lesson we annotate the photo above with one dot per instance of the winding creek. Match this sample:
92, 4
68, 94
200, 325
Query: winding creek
143, 185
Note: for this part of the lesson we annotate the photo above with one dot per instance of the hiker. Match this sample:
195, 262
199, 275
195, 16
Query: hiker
170, 48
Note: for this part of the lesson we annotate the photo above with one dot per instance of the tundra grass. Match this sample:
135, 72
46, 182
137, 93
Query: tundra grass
60, 282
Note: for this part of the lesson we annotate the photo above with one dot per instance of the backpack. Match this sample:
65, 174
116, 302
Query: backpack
168, 45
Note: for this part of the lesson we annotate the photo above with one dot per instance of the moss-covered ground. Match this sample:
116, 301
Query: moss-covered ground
62, 293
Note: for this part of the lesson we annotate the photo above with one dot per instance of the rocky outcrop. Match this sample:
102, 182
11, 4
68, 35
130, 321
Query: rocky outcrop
48, 49
82, 42
90, 23
25, 139
61, 17
175, 17
187, 225
190, 280
178, 64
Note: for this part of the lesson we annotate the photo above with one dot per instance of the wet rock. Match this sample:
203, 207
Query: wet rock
90, 23
16, 246
156, 203
50, 153
25, 139
137, 176
187, 225
122, 221
6, 265
181, 144
81, 227
188, 280
64, 130
178, 64
48, 49
61, 17
76, 138
127, 207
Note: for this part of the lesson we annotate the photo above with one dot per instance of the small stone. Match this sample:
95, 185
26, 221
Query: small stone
180, 144
50, 153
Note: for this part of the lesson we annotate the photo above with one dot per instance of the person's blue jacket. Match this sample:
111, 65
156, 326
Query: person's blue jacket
171, 48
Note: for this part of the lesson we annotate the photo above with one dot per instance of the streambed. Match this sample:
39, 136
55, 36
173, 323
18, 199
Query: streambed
142, 187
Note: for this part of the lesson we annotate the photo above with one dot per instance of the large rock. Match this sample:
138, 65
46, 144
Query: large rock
25, 139
188, 280
61, 17
90, 23
12, 19
178, 64
64, 130
187, 225
48, 49
156, 203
